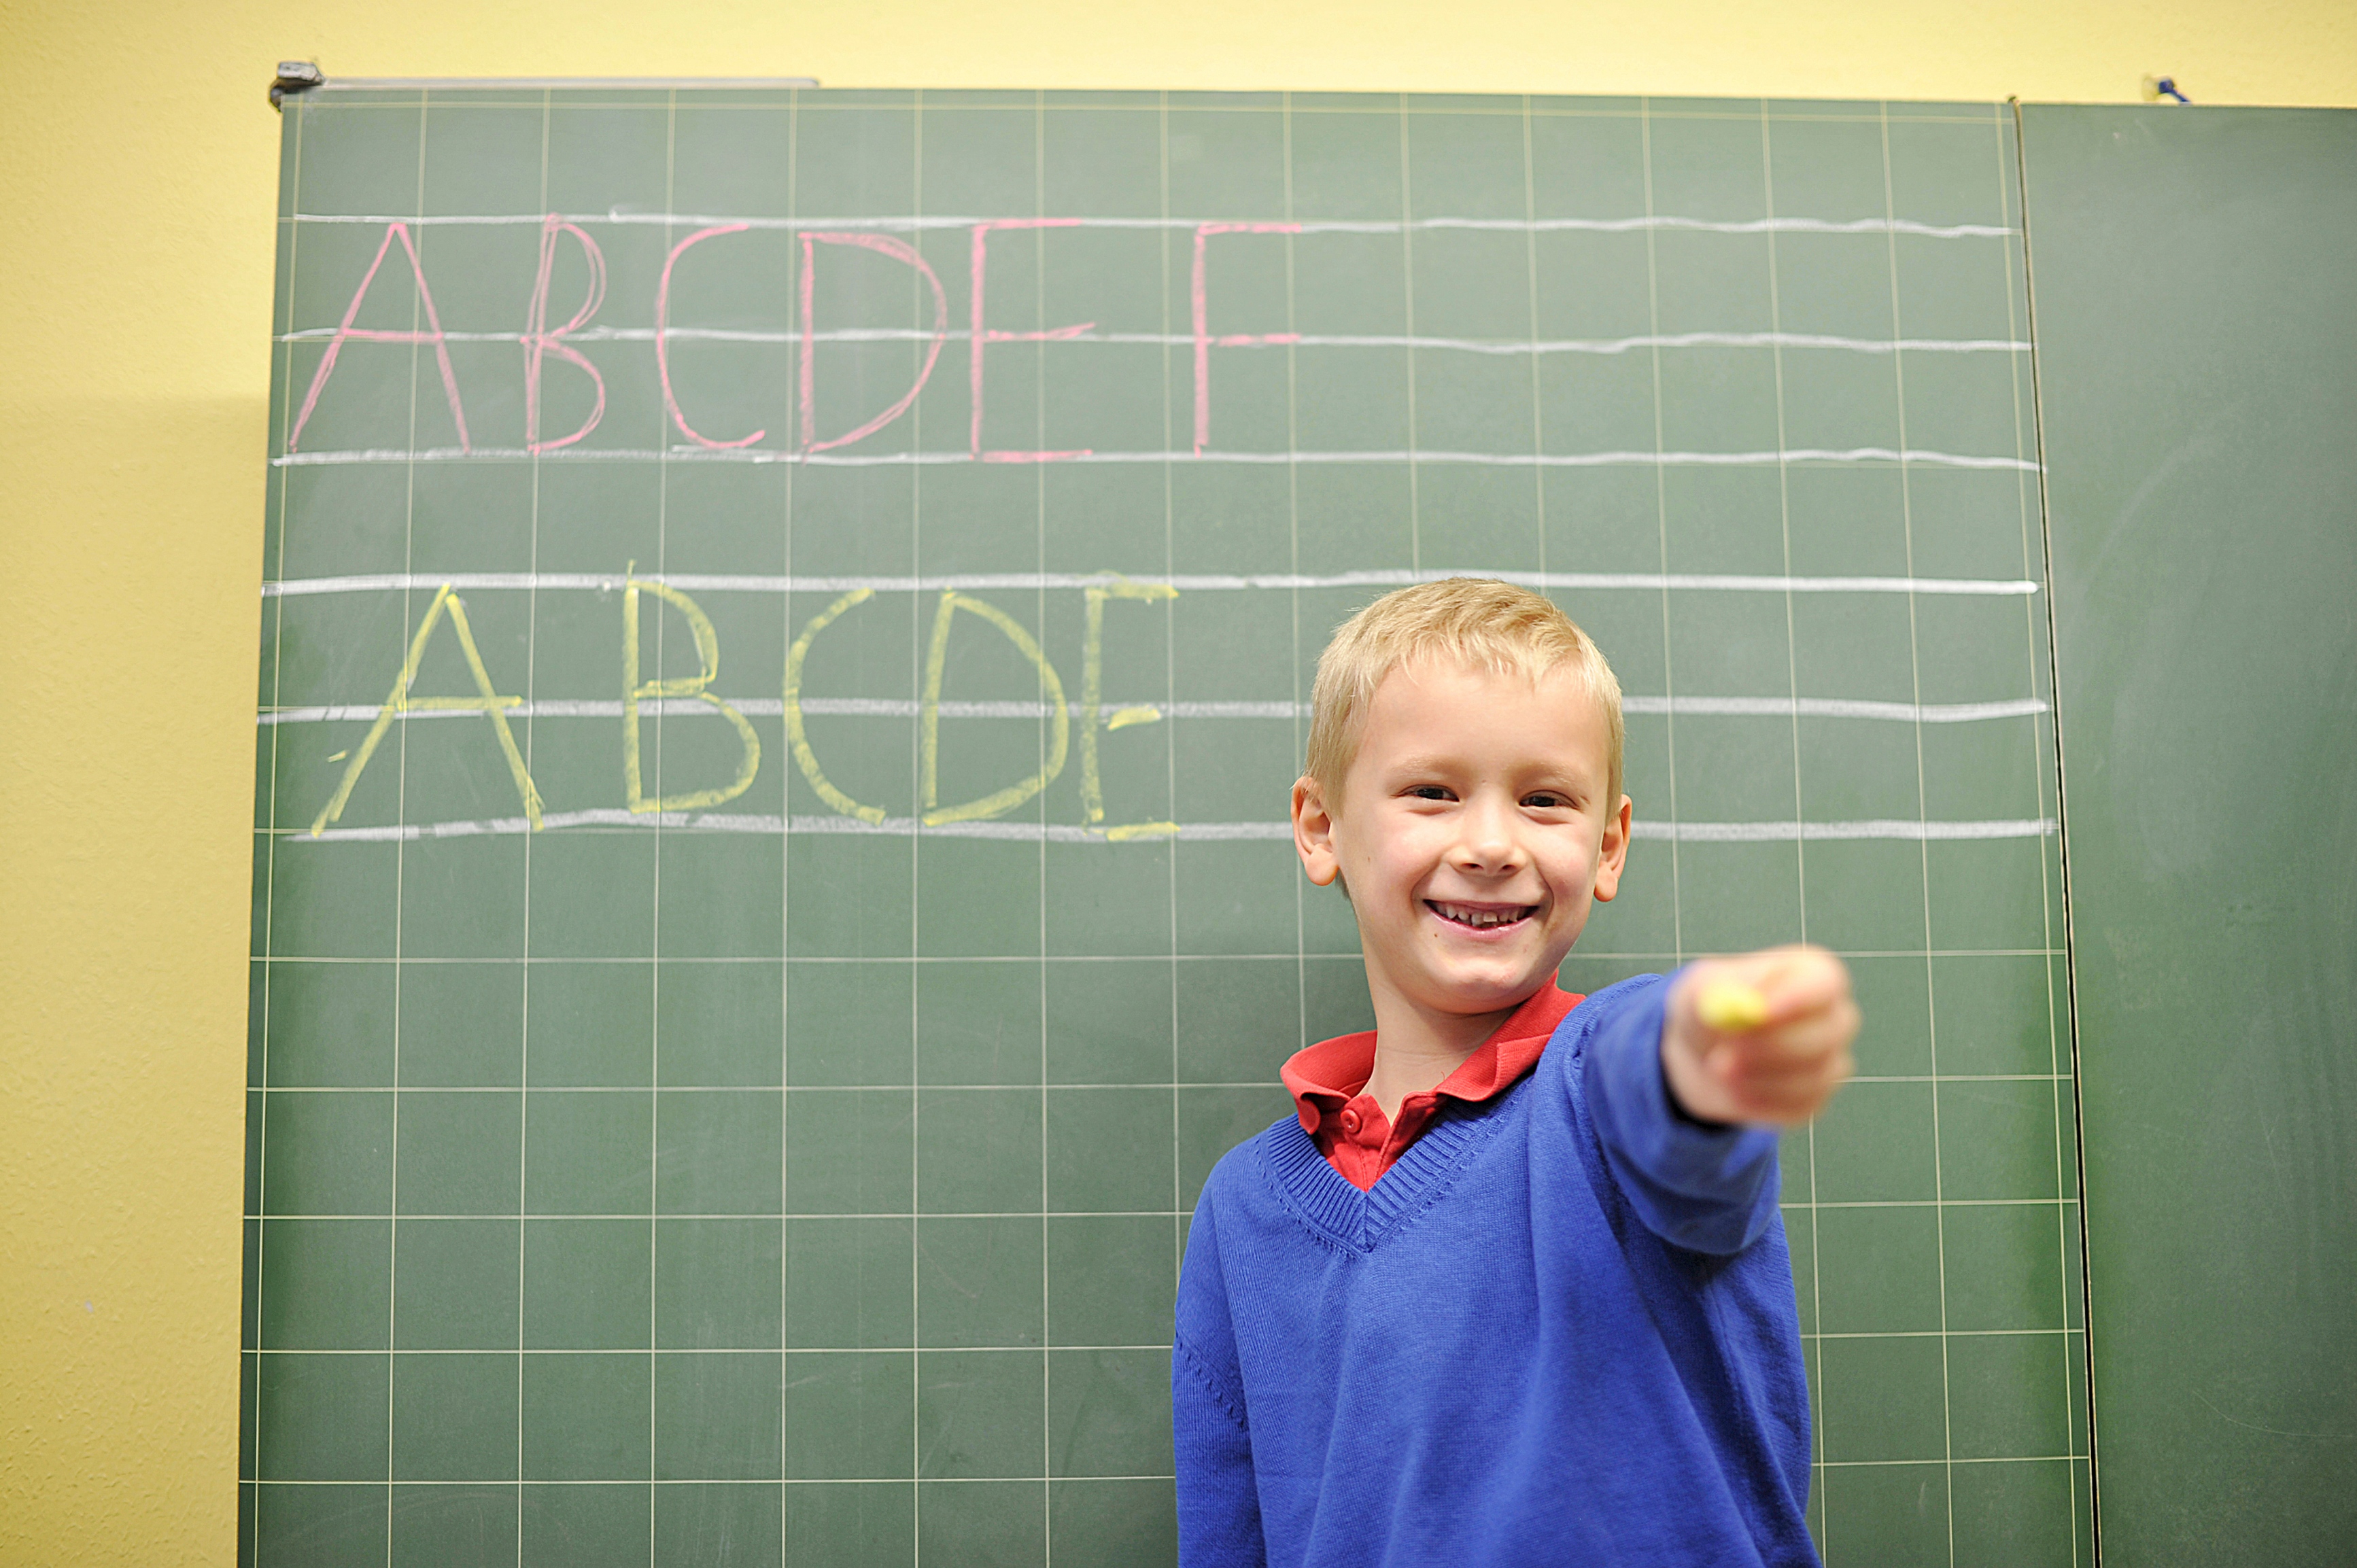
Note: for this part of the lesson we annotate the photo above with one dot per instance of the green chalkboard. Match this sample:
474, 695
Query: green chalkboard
787, 615
2196, 338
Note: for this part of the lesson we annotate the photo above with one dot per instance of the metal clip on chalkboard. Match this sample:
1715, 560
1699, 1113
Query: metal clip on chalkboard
295, 76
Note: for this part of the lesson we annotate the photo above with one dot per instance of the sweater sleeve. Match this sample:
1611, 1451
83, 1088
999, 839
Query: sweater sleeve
1219, 1503
1699, 1185
1219, 1497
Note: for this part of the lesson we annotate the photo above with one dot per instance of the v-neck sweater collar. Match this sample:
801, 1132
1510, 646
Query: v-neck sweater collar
1359, 1219
1328, 1082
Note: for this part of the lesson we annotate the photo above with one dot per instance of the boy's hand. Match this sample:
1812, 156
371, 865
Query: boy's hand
1763, 1038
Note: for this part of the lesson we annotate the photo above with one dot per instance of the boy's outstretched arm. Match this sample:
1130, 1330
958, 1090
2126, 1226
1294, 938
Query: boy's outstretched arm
1688, 1082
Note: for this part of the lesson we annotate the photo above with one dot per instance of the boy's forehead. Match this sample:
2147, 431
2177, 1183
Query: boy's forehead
1433, 705
1441, 674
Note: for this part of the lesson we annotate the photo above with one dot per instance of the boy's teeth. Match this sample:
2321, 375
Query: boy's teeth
1479, 918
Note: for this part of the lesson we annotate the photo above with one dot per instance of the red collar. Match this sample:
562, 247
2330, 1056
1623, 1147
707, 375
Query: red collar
1327, 1076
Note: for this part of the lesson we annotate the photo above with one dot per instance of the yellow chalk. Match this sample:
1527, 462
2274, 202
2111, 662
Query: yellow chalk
1731, 1007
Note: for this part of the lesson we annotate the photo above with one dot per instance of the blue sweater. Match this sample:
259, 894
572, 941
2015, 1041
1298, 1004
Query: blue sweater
1559, 1330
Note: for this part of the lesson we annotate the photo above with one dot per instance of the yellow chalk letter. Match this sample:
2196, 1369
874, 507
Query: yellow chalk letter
929, 717
797, 735
1092, 705
398, 702
635, 690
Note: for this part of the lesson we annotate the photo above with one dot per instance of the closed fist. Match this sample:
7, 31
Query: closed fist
1762, 1038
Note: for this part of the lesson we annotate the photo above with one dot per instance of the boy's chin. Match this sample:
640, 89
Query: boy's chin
1494, 992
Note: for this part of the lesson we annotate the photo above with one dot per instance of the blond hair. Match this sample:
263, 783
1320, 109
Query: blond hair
1478, 622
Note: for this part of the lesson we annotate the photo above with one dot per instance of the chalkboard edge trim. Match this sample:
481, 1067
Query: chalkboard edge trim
553, 83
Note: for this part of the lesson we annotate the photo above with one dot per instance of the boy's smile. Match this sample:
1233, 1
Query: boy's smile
1481, 917
1471, 835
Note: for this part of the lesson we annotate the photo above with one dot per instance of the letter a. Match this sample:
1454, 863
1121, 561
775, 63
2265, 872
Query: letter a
346, 330
398, 702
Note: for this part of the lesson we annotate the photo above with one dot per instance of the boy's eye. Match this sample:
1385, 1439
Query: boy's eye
1431, 792
1547, 799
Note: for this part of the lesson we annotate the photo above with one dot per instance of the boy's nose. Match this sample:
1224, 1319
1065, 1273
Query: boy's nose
1489, 841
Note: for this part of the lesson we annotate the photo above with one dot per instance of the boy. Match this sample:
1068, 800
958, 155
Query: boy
1511, 1287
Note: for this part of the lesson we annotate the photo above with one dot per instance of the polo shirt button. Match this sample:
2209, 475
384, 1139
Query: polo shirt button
1351, 1123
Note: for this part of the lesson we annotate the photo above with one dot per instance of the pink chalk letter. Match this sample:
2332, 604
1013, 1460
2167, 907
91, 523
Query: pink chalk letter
1203, 339
538, 339
981, 335
883, 245
345, 331
662, 334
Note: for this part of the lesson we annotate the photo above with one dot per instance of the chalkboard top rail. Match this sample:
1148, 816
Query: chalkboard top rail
563, 83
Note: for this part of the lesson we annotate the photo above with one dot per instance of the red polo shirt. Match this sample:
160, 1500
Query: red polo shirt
1328, 1082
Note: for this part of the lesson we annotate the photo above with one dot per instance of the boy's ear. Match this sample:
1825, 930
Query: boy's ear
1615, 856
1313, 831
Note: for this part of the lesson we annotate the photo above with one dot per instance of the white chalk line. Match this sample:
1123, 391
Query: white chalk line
1044, 582
1906, 829
1605, 346
1838, 708
908, 708
1329, 226
686, 454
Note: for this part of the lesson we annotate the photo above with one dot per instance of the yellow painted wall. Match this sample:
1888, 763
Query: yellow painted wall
136, 194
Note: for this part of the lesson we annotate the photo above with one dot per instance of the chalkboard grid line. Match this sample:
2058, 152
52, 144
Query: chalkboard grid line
277, 1218
757, 454
1915, 662
1179, 1225
1499, 346
1059, 1479
1076, 1086
531, 692
400, 863
1661, 514
1407, 312
916, 910
786, 1065
705, 582
771, 1348
654, 1006
685, 960
1812, 1352
660, 1482
1530, 308
716, 1351
903, 708
1040, 758
1649, 223
616, 818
